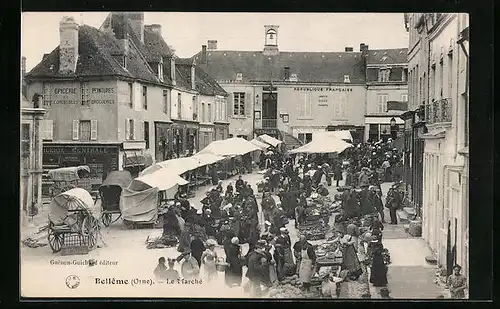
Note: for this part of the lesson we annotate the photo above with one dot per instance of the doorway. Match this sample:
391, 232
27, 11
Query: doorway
269, 109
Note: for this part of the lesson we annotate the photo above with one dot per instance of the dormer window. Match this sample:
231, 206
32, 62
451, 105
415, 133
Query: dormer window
347, 79
383, 75
239, 77
160, 70
293, 77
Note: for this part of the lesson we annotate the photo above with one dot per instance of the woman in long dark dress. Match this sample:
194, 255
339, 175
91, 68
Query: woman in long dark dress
234, 270
378, 276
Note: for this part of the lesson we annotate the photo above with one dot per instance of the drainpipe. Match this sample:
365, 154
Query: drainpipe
461, 42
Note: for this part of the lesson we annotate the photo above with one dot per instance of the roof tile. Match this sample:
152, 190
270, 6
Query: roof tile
387, 56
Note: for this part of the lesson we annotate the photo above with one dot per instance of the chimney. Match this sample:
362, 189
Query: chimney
136, 20
287, 73
23, 67
349, 49
212, 44
156, 28
68, 46
203, 54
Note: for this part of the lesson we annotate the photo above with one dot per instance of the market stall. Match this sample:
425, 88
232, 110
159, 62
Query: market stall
323, 144
269, 140
235, 146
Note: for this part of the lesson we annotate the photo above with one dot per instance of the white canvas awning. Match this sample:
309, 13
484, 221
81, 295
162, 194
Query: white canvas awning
343, 134
163, 179
235, 146
207, 158
269, 140
260, 144
175, 166
323, 144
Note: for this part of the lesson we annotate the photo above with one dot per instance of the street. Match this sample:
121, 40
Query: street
409, 276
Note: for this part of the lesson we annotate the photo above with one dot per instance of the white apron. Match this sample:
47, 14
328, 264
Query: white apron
306, 268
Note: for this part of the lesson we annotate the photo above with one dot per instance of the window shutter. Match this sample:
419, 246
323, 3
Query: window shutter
93, 130
48, 129
127, 129
230, 105
76, 124
248, 104
132, 129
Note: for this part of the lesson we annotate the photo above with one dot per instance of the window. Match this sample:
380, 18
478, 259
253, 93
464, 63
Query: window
382, 99
166, 101
25, 142
145, 97
195, 108
131, 95
301, 137
347, 79
48, 129
205, 139
383, 75
239, 104
404, 97
309, 137
404, 75
85, 90
432, 81
293, 77
130, 129
179, 106
218, 104
160, 71
203, 113
450, 74
239, 77
441, 74
224, 109
84, 130
146, 133
209, 113
305, 105
46, 95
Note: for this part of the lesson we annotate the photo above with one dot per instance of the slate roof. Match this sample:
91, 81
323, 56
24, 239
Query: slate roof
205, 84
387, 56
313, 67
96, 49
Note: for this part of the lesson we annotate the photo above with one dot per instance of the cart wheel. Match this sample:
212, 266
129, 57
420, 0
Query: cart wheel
90, 228
55, 240
106, 219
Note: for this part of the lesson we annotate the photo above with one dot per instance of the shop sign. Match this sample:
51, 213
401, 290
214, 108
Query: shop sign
328, 89
206, 129
83, 96
78, 150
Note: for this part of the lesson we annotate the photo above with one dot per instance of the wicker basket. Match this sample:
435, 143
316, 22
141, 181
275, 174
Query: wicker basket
221, 265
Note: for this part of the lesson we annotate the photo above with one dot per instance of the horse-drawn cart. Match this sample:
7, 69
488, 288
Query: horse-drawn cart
110, 192
72, 223
67, 178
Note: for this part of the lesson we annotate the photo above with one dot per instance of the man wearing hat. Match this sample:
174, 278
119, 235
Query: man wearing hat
393, 202
258, 267
268, 203
363, 180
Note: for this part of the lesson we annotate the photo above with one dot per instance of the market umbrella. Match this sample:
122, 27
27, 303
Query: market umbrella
269, 140
162, 179
323, 144
260, 144
234, 146
177, 166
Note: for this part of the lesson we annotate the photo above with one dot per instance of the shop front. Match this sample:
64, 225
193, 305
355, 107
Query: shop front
206, 135
163, 140
185, 137
221, 131
135, 158
377, 128
100, 158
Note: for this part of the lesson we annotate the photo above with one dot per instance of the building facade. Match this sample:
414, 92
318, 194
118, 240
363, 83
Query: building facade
445, 179
386, 84
31, 157
290, 94
115, 98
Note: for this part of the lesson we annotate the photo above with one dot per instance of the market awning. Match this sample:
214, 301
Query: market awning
162, 179
260, 144
323, 144
383, 120
342, 134
138, 160
175, 166
234, 146
118, 178
207, 158
269, 140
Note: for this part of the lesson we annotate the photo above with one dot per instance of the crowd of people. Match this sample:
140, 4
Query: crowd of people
230, 217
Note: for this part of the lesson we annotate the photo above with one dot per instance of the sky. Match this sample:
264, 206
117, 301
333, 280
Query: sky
187, 32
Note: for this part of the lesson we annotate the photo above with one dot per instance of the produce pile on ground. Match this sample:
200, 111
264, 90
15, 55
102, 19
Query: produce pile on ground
166, 241
290, 288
